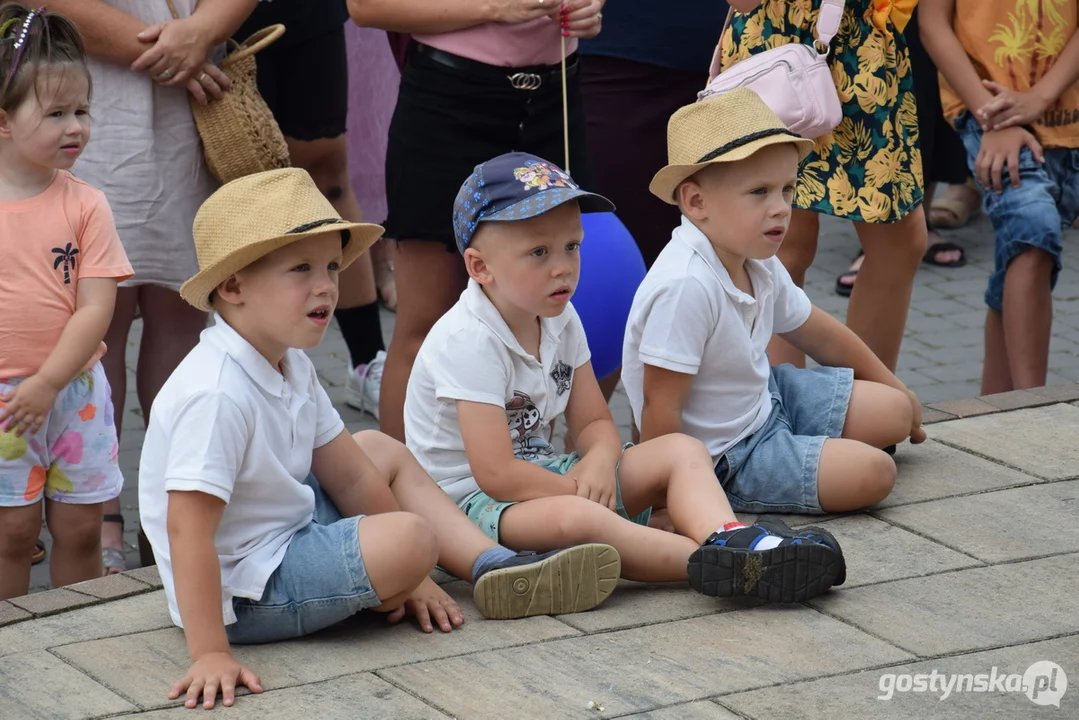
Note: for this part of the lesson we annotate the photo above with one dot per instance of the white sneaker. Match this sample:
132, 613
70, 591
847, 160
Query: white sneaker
365, 385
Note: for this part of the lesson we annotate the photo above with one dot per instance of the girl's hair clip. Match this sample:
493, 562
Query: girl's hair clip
26, 27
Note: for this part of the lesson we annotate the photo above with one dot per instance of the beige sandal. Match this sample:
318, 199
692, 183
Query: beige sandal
956, 206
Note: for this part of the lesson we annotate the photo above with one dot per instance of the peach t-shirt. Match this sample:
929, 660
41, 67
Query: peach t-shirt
536, 42
48, 243
1014, 43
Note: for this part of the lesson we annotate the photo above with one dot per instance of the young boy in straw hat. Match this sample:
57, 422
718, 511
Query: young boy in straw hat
782, 439
510, 359
252, 548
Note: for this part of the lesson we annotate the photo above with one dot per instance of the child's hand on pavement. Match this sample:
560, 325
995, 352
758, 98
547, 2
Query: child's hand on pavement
1009, 107
430, 602
26, 407
1000, 148
211, 673
917, 433
595, 481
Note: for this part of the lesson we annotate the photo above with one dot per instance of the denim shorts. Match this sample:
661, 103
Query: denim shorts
321, 581
486, 513
1035, 214
775, 468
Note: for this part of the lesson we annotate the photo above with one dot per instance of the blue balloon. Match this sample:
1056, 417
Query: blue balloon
612, 268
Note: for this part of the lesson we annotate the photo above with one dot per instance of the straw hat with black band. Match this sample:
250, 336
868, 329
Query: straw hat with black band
249, 218
721, 129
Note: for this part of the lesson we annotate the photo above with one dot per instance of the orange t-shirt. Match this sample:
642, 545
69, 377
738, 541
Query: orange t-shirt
47, 244
1013, 43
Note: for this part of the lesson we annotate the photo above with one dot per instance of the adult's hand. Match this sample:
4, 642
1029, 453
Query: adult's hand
178, 49
519, 11
582, 18
210, 83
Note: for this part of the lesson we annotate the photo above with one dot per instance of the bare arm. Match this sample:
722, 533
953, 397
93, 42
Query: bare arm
109, 34
744, 6
831, 343
588, 418
351, 480
665, 393
221, 18
193, 518
935, 23
443, 16
96, 298
498, 472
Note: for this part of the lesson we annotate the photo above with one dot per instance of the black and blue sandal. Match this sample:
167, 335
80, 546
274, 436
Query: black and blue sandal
797, 569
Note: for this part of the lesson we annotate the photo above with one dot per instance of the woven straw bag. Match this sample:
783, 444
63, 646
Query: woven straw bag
239, 134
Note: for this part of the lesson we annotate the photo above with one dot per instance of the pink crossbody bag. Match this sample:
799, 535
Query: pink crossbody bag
793, 79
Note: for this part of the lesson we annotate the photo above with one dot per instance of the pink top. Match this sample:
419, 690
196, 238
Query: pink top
49, 243
536, 42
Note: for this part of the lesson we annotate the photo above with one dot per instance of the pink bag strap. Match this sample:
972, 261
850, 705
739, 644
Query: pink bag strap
827, 26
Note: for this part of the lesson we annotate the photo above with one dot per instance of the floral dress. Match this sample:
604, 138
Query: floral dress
869, 169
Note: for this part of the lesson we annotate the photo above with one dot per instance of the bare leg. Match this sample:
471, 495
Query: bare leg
1028, 317
115, 364
396, 568
19, 530
327, 162
878, 415
459, 541
429, 282
797, 253
853, 475
996, 375
76, 542
881, 297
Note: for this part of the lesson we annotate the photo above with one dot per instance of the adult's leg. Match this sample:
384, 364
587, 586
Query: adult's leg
797, 253
429, 281
115, 364
881, 297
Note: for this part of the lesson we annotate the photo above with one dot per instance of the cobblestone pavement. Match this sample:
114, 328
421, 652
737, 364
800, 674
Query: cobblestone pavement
941, 358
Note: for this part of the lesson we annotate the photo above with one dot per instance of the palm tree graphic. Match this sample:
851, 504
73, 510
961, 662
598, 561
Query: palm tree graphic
66, 255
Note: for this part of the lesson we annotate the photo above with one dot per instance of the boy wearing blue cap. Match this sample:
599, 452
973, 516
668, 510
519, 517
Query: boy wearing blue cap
510, 358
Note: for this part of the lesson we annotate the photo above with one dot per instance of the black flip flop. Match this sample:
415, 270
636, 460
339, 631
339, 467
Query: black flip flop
842, 289
930, 257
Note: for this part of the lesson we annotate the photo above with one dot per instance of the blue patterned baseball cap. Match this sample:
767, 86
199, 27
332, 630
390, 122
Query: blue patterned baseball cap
516, 186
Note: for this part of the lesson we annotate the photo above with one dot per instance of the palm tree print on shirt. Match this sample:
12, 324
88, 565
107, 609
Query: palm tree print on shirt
66, 257
1034, 37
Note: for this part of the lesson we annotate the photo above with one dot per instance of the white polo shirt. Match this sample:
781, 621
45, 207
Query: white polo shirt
228, 424
688, 317
471, 354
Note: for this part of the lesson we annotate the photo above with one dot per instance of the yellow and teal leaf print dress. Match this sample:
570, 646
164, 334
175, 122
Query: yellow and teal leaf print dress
869, 169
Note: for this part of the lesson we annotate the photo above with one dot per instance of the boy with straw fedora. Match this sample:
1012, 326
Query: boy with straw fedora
250, 546
782, 439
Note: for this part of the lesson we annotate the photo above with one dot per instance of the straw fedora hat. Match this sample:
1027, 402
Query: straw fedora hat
726, 128
257, 214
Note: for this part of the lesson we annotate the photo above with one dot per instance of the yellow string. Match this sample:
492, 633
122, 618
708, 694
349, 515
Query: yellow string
7, 26
565, 106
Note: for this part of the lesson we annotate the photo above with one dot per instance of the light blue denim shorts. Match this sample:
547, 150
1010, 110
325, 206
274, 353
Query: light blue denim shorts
1035, 214
321, 581
486, 513
775, 468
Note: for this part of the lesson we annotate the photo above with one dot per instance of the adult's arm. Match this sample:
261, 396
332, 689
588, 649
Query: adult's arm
109, 34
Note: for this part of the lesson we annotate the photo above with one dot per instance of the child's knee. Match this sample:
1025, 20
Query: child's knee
878, 478
409, 538
578, 520
18, 534
82, 530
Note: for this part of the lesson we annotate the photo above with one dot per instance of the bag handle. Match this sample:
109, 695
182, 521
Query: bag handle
827, 25
258, 41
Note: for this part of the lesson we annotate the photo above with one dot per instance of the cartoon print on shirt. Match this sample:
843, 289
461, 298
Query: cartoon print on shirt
562, 374
525, 425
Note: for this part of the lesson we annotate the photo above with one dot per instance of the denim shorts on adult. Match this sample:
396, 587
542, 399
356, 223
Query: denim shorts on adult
1035, 214
72, 457
775, 468
321, 581
449, 119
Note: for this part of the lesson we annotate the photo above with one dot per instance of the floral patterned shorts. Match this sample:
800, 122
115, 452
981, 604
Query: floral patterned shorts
72, 457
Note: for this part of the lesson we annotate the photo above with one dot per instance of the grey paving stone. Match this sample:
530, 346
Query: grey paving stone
948, 391
1039, 441
112, 587
354, 697
932, 470
148, 575
635, 604
143, 666
967, 610
647, 668
966, 407
930, 415
969, 371
128, 615
878, 552
1060, 393
9, 613
52, 601
38, 686
866, 694
702, 710
986, 526
1015, 399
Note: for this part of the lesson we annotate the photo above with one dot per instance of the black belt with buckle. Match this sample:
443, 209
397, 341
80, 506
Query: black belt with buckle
529, 78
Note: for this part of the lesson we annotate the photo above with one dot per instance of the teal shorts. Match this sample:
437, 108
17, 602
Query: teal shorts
485, 512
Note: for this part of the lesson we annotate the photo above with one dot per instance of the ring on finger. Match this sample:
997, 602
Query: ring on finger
167, 74
203, 77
